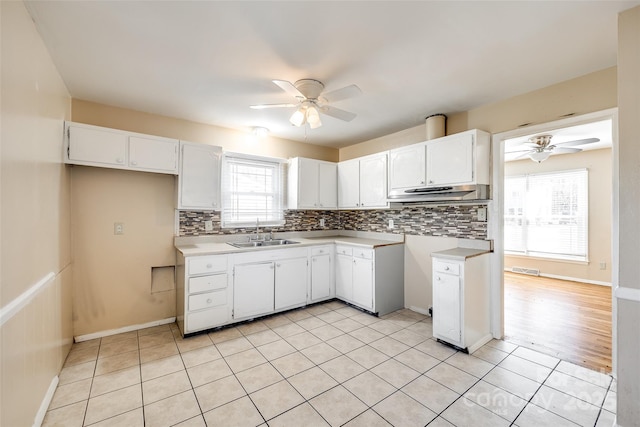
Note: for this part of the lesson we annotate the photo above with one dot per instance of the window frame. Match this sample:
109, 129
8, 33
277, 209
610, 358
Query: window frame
274, 218
526, 216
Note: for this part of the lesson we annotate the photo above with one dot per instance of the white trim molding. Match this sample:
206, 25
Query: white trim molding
130, 328
46, 401
11, 309
629, 294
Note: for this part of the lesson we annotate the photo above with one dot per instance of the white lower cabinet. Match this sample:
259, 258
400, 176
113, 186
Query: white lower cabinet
253, 289
461, 301
322, 273
372, 279
202, 294
290, 283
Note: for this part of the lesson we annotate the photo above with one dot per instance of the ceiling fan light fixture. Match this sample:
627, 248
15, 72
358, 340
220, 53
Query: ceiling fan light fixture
299, 117
260, 132
313, 117
539, 156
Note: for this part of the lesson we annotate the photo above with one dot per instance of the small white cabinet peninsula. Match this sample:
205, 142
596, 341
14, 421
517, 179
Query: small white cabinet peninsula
461, 315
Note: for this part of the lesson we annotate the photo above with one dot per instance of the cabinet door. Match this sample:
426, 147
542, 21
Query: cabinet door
97, 146
328, 185
199, 177
450, 160
363, 282
447, 305
349, 184
320, 277
253, 289
291, 282
155, 155
373, 181
407, 167
307, 184
344, 277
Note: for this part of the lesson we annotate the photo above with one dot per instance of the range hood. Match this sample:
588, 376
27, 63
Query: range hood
440, 194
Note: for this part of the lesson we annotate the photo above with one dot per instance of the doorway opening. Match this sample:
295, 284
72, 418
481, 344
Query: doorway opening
555, 242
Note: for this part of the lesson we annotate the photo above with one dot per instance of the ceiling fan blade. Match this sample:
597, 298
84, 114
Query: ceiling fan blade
263, 106
577, 142
565, 150
347, 116
289, 88
523, 155
343, 93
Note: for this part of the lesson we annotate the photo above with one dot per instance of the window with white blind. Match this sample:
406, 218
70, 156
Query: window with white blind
546, 215
252, 191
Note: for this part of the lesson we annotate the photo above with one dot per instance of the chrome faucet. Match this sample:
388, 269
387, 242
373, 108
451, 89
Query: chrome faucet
257, 232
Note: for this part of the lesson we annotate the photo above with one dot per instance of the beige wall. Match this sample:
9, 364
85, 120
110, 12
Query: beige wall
589, 93
35, 230
598, 163
628, 249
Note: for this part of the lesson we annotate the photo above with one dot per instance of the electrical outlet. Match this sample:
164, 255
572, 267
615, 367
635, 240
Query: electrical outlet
482, 214
391, 224
118, 228
321, 222
603, 266
208, 226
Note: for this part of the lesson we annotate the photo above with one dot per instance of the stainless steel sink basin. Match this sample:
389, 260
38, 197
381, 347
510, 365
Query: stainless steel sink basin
259, 243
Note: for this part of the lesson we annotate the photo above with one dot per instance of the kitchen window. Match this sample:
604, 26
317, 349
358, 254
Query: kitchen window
252, 191
546, 215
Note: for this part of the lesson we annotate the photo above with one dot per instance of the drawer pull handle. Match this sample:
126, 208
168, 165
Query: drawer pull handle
209, 301
209, 265
438, 278
446, 268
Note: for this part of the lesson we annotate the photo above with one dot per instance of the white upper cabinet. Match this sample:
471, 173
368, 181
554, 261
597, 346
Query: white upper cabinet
459, 159
349, 184
407, 167
103, 147
312, 184
199, 177
362, 182
373, 181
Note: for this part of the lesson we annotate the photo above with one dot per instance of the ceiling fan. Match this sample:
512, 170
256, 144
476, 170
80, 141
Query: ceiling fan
311, 102
541, 147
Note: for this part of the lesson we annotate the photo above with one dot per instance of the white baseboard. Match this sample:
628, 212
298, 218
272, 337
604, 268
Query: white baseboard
570, 279
130, 328
419, 310
46, 401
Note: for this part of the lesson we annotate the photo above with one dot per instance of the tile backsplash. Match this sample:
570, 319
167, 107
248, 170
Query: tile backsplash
459, 221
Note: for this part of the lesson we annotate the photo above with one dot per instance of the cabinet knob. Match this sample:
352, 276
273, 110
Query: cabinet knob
313, 260
209, 265
354, 261
209, 301
118, 160
277, 265
422, 182
446, 268
321, 205
134, 163
430, 181
438, 278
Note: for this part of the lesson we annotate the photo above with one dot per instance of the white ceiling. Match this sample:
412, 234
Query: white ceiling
207, 61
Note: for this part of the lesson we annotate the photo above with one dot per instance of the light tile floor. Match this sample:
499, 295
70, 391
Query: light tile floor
327, 364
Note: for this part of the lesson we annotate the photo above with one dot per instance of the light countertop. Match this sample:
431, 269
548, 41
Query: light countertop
459, 254
203, 246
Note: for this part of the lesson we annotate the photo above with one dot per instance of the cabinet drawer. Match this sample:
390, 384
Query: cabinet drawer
207, 283
445, 280
344, 250
320, 251
207, 264
206, 319
446, 267
363, 253
208, 300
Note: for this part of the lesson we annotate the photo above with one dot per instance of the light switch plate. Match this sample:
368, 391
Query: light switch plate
118, 228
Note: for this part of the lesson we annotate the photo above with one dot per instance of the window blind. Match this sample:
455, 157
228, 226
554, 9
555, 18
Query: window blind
546, 215
252, 191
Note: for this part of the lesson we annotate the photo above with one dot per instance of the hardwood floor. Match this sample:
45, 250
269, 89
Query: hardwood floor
568, 320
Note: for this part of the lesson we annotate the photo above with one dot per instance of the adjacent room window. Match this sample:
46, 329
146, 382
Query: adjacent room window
252, 191
546, 215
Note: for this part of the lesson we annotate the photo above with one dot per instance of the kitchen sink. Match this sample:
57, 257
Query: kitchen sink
260, 243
